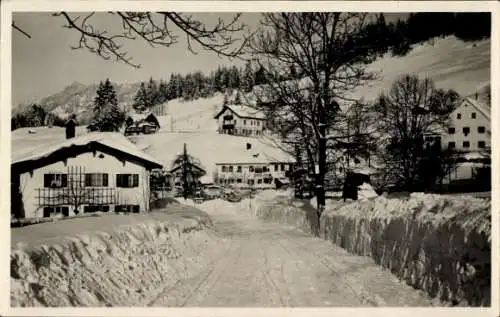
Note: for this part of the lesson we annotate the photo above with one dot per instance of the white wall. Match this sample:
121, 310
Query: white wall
246, 174
30, 182
253, 125
466, 111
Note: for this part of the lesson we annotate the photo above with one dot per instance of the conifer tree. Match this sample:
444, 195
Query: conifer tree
141, 99
152, 93
248, 78
107, 115
237, 99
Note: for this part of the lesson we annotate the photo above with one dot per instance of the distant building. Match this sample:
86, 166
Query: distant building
470, 128
256, 169
240, 120
95, 172
142, 123
469, 134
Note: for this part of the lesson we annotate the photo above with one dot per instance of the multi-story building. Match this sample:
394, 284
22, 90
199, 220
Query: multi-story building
469, 134
470, 128
257, 174
240, 120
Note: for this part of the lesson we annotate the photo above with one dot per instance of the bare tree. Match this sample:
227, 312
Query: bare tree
158, 29
411, 112
329, 52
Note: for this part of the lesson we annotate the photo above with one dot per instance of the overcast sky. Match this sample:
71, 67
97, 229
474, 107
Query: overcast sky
45, 64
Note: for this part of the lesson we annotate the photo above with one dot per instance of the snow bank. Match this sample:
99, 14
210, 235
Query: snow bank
441, 244
127, 266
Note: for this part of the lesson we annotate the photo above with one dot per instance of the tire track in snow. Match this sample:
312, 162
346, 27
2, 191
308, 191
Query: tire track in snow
265, 272
357, 289
192, 291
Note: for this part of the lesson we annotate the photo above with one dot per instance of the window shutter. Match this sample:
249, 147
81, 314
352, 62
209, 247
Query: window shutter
64, 180
136, 180
118, 180
105, 180
88, 179
46, 180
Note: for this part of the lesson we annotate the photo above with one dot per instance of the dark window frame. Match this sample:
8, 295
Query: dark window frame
102, 181
127, 180
50, 180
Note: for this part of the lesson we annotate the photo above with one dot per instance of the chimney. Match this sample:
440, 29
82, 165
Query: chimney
70, 128
249, 146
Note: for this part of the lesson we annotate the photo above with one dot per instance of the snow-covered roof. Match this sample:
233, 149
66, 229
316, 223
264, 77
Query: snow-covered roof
113, 140
243, 111
211, 148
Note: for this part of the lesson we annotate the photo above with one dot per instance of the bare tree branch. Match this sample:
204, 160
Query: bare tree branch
155, 29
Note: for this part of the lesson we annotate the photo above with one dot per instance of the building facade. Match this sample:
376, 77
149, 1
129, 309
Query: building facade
94, 172
256, 175
240, 121
469, 134
470, 128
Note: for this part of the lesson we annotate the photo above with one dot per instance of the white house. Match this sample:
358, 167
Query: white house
253, 168
469, 133
240, 120
99, 171
470, 128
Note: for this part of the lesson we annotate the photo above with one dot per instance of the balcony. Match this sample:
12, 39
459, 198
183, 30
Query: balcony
228, 124
82, 195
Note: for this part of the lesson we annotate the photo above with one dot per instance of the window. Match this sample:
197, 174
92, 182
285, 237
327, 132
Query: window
267, 180
259, 181
49, 211
238, 169
55, 180
473, 115
251, 168
466, 144
282, 167
451, 130
127, 180
238, 180
265, 169
451, 145
459, 116
127, 208
96, 179
230, 169
244, 122
250, 182
481, 129
466, 130
223, 168
481, 144
95, 208
258, 170
275, 167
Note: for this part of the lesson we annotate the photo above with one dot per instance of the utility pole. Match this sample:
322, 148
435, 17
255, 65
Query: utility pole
184, 173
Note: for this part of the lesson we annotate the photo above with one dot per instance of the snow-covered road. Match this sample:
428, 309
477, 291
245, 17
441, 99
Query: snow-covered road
270, 265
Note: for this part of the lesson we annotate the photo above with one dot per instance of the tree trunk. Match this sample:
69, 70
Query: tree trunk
320, 177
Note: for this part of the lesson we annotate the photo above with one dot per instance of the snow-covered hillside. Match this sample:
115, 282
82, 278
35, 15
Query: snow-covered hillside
451, 63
